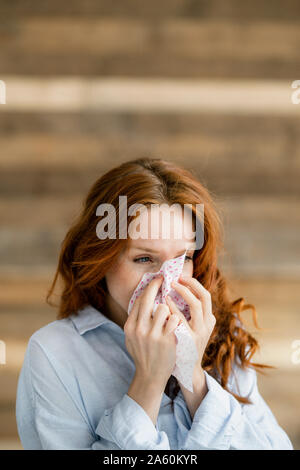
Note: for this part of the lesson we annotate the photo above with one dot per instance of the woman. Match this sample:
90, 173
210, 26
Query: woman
100, 378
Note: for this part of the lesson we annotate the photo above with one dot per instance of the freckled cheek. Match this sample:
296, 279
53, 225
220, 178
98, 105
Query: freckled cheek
122, 284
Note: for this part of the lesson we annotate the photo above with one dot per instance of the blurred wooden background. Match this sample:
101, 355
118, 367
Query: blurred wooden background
206, 84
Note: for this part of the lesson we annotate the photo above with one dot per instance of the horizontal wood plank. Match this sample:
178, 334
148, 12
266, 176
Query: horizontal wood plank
225, 182
172, 48
145, 95
231, 9
58, 153
8, 427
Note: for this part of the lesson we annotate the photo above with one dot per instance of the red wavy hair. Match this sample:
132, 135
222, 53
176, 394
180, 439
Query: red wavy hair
84, 258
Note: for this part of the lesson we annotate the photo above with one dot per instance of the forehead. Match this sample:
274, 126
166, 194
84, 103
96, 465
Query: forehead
161, 226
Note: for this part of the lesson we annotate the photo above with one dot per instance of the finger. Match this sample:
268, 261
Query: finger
195, 304
171, 324
161, 314
147, 301
136, 305
175, 311
199, 290
132, 317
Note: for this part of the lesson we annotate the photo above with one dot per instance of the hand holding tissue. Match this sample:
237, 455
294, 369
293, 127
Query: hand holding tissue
186, 350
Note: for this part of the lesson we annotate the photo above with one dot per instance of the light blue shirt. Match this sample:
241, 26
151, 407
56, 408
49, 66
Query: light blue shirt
72, 394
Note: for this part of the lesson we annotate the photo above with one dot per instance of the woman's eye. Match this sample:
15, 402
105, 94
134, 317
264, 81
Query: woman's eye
138, 260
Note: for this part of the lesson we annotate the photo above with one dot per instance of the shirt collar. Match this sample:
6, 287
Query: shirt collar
89, 318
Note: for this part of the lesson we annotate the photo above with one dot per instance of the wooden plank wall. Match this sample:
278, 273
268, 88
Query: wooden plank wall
244, 146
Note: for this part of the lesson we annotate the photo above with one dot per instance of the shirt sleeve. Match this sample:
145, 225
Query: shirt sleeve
222, 422
129, 426
51, 419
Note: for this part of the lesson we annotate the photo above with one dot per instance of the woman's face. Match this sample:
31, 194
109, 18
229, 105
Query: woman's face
148, 254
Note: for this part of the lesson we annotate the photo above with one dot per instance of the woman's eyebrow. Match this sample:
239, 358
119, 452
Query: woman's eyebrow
155, 251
